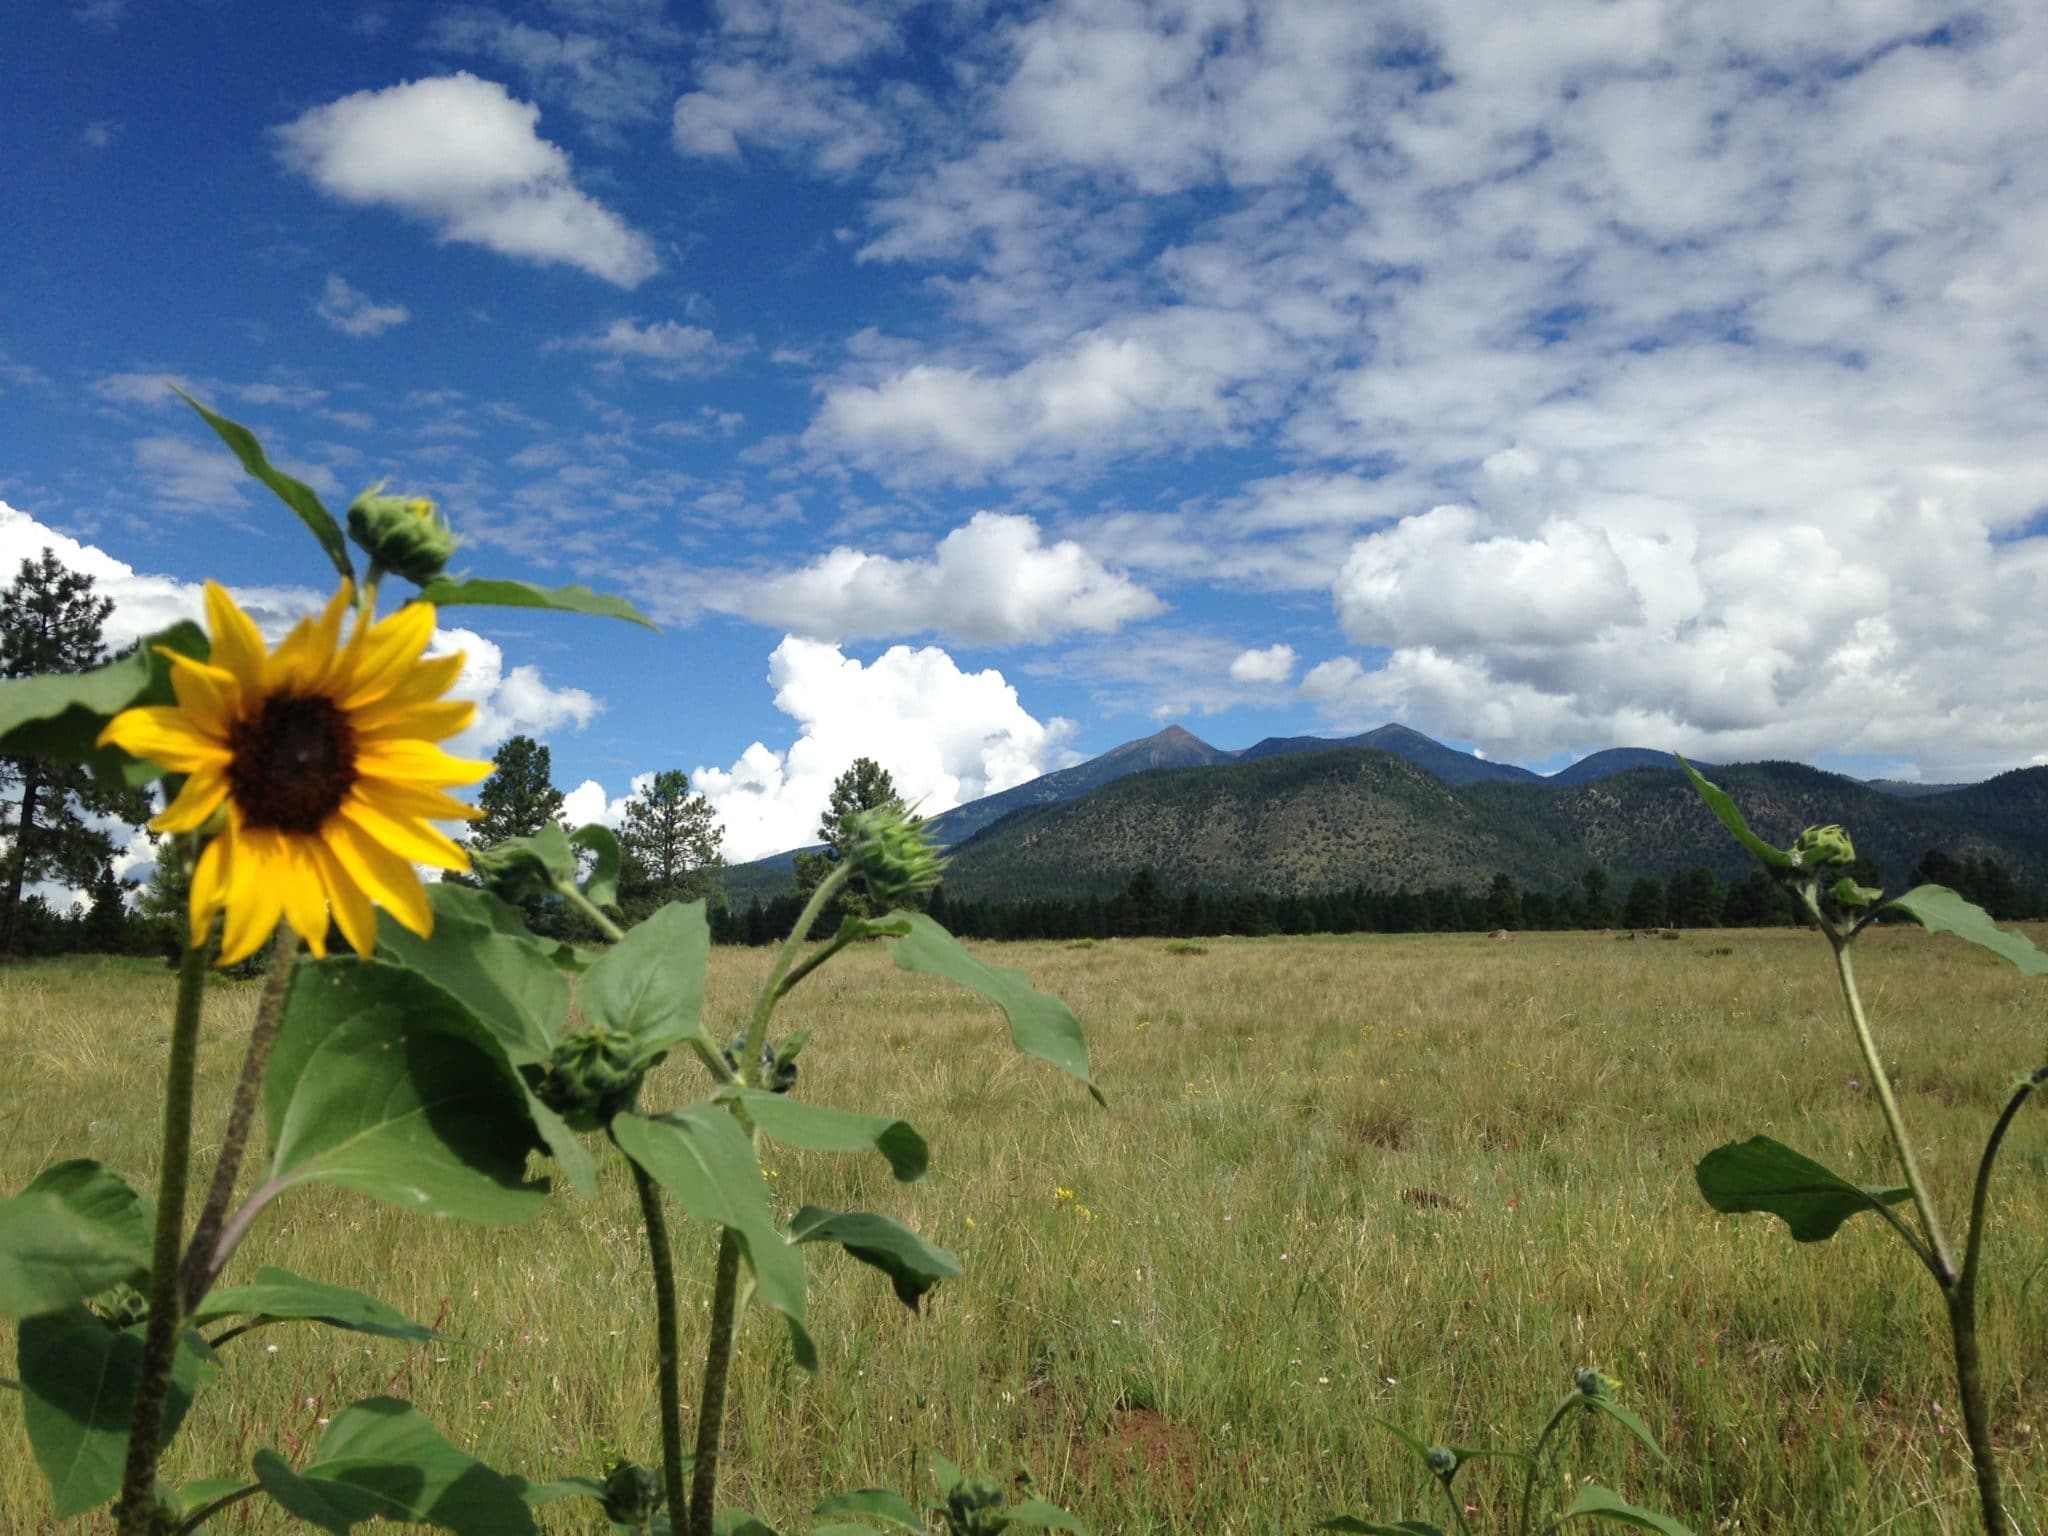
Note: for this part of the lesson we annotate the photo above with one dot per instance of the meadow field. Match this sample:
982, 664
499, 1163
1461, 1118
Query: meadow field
1422, 1178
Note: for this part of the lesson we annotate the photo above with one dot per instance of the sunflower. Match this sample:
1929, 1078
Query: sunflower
324, 754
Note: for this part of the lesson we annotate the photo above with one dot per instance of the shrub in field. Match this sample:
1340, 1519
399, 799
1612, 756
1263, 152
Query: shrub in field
1762, 1174
426, 1068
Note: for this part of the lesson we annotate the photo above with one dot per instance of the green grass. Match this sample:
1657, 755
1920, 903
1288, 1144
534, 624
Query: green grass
1422, 1178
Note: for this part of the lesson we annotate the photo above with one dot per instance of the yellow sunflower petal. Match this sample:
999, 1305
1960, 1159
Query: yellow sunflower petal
304, 893
302, 663
164, 734
422, 722
417, 762
209, 696
407, 838
352, 909
380, 874
384, 653
237, 645
256, 878
429, 679
416, 800
209, 887
198, 800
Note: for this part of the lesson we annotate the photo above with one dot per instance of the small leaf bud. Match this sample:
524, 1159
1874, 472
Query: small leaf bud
1848, 894
893, 853
1443, 1461
778, 1071
405, 535
1819, 847
632, 1493
1592, 1383
592, 1075
512, 871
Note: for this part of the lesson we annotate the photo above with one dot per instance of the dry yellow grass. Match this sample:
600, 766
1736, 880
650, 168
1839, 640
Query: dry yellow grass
1422, 1178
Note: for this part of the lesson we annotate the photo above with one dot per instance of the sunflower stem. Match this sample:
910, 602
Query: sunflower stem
571, 893
200, 1269
662, 1259
137, 1506
711, 1402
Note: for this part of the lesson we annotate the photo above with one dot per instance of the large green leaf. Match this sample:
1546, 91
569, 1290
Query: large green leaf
1722, 806
1046, 1516
815, 1128
384, 1083
1376, 1528
502, 917
1041, 1025
382, 1459
61, 714
78, 1381
509, 981
700, 1155
451, 592
1628, 1421
602, 844
875, 1504
1940, 910
295, 494
651, 983
1765, 1175
75, 1231
1597, 1503
280, 1295
913, 1265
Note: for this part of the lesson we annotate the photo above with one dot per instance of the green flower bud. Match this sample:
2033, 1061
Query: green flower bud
1819, 847
778, 1070
1592, 1383
512, 871
592, 1075
975, 1508
405, 535
893, 853
1848, 894
121, 1307
1443, 1461
632, 1493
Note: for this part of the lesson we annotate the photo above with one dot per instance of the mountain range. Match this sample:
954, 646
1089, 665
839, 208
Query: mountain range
1392, 807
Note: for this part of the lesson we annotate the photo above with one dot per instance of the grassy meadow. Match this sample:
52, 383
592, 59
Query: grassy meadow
1421, 1178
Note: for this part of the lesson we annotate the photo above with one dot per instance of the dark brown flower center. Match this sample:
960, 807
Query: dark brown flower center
293, 763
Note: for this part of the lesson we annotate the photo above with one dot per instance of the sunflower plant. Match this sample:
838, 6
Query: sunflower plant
415, 1042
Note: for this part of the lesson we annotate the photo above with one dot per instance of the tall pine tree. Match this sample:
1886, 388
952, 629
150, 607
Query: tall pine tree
518, 799
50, 621
671, 841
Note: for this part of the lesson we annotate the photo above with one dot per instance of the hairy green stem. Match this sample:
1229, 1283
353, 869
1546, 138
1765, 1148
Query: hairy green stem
199, 1270
206, 1512
666, 1338
711, 1404
137, 1507
570, 892
1457, 1508
1930, 1220
777, 984
1536, 1459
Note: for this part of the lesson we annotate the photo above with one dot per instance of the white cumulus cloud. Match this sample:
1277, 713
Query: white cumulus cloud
993, 580
666, 348
1274, 664
462, 154
946, 737
354, 313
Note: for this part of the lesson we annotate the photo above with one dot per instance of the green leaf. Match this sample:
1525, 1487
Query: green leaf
946, 1474
1628, 1421
75, 1231
382, 1459
1723, 807
1597, 1503
1765, 1175
876, 1503
450, 592
61, 714
295, 494
502, 917
845, 1528
814, 1128
574, 1486
78, 1381
278, 1294
651, 983
196, 1495
913, 1265
1041, 1025
1419, 1446
737, 1522
509, 981
602, 843
700, 1155
384, 1083
1375, 1528
1046, 1516
1940, 910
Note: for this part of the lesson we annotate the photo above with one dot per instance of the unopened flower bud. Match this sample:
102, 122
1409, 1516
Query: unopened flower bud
592, 1075
405, 535
893, 853
975, 1508
778, 1072
512, 871
1592, 1383
632, 1493
1818, 847
1851, 896
1443, 1461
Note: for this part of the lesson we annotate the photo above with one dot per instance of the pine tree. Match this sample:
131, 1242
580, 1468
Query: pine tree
671, 840
1503, 903
51, 622
518, 799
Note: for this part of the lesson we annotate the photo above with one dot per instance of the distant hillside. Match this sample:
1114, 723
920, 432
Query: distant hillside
1170, 748
1605, 765
1303, 822
1447, 763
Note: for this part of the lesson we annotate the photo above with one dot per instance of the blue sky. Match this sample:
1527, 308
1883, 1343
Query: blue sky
976, 386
